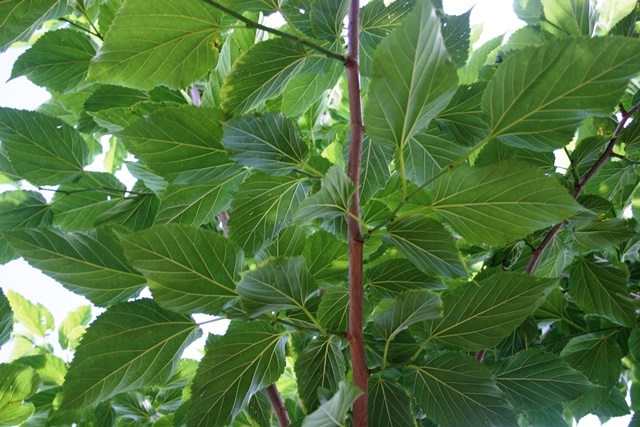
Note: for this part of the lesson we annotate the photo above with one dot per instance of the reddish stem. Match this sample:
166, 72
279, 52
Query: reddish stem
278, 406
356, 288
579, 186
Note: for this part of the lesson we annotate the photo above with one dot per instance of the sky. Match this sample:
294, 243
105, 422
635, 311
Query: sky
497, 18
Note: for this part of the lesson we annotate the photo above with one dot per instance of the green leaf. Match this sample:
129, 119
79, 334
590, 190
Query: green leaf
529, 11
73, 327
401, 102
261, 207
51, 369
463, 118
6, 319
597, 355
327, 257
278, 284
454, 390
17, 382
533, 379
374, 173
495, 152
428, 245
469, 73
391, 277
333, 199
540, 95
59, 60
571, 17
196, 204
290, 242
501, 203
21, 18
43, 150
332, 413
333, 310
23, 209
179, 140
320, 367
247, 359
377, 20
427, 154
595, 235
406, 309
135, 213
149, 43
390, 403
89, 263
78, 204
470, 310
270, 143
264, 6
599, 287
188, 269
131, 345
261, 74
304, 90
35, 317
327, 18
456, 34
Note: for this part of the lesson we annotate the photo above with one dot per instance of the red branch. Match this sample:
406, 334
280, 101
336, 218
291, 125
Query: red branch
278, 406
579, 186
356, 288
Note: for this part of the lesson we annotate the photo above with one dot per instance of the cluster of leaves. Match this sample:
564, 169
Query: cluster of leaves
498, 289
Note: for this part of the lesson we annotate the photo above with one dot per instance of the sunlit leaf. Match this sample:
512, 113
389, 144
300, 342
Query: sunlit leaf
173, 43
35, 317
21, 18
6, 319
17, 382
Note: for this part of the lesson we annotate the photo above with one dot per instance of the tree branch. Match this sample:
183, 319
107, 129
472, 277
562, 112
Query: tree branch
579, 186
278, 406
252, 24
356, 286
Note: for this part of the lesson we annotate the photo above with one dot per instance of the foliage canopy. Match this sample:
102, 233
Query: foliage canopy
440, 258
